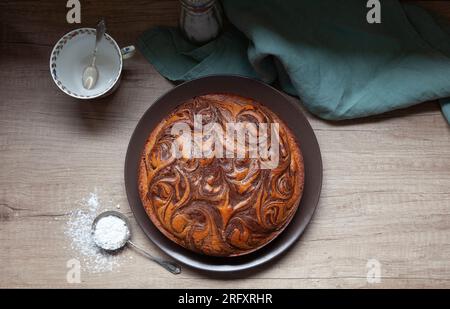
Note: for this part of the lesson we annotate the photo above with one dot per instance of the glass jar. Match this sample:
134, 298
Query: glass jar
200, 20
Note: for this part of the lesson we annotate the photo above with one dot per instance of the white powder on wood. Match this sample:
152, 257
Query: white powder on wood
78, 230
111, 233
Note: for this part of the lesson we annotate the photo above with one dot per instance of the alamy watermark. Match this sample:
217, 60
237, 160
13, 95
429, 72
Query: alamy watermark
374, 14
73, 275
238, 140
74, 14
373, 271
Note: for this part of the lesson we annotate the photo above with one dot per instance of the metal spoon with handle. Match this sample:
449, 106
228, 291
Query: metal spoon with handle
90, 73
170, 266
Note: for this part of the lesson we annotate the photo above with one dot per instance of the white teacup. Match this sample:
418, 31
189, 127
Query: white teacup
73, 52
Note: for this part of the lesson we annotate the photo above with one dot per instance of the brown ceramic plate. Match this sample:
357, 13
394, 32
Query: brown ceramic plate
287, 110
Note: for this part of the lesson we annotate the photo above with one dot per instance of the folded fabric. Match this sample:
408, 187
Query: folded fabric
323, 51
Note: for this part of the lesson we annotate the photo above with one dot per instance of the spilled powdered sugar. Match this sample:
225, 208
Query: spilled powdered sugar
78, 230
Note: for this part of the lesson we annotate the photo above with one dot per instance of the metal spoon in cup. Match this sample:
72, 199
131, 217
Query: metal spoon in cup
90, 73
170, 266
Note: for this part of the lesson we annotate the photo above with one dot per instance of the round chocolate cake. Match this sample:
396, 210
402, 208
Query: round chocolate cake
216, 192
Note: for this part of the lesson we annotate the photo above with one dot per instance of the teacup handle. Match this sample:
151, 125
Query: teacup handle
128, 52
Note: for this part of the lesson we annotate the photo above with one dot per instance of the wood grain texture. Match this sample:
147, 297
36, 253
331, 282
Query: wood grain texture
386, 191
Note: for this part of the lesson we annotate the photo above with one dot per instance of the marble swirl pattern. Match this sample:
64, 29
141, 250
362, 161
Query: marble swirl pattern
220, 206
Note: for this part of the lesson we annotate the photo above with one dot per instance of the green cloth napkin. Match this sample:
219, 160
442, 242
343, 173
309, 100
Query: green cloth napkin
323, 51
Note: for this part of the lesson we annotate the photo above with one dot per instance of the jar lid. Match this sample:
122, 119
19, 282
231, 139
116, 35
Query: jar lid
197, 3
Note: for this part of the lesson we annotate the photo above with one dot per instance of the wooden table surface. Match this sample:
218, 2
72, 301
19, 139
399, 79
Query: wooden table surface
386, 190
